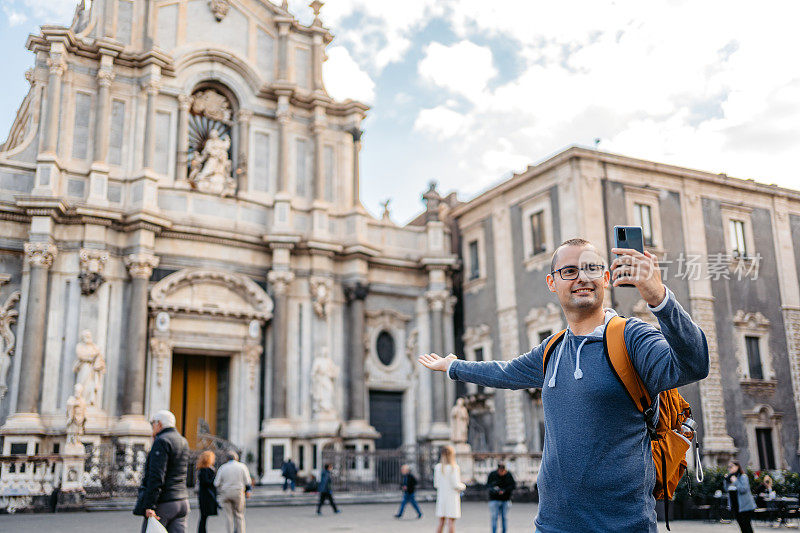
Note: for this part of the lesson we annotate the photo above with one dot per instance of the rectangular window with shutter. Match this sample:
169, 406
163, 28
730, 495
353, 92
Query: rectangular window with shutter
738, 244
754, 357
474, 261
80, 133
643, 217
537, 233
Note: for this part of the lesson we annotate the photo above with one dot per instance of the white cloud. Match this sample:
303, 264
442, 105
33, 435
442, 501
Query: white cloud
463, 68
15, 18
344, 78
442, 123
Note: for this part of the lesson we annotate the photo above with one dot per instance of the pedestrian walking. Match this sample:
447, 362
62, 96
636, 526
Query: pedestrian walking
233, 485
163, 493
740, 500
408, 484
447, 481
289, 473
326, 489
207, 492
597, 471
501, 484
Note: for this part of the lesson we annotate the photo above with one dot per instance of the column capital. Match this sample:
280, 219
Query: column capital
244, 115
152, 87
185, 101
104, 77
437, 299
57, 66
40, 254
141, 265
356, 291
279, 280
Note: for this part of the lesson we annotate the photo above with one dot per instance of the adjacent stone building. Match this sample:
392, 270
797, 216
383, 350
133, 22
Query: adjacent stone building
731, 253
179, 184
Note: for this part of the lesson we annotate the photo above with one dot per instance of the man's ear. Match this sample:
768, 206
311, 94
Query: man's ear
606, 278
551, 282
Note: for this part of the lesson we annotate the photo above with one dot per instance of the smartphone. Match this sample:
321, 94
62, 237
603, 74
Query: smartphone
628, 237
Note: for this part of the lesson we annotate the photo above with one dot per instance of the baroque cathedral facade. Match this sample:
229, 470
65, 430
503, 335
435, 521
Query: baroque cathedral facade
182, 229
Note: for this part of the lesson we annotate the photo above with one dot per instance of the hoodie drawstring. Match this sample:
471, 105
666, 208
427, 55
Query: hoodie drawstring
578, 372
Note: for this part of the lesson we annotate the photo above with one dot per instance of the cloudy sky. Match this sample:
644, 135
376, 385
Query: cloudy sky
466, 92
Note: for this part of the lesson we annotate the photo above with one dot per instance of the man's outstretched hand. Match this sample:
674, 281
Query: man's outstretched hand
434, 362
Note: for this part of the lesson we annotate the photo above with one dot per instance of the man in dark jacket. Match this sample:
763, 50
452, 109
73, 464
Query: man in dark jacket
289, 472
325, 489
408, 485
501, 484
163, 492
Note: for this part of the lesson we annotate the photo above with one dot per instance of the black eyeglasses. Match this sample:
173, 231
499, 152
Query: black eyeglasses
571, 272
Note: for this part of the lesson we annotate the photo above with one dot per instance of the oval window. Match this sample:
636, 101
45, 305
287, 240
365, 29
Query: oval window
385, 347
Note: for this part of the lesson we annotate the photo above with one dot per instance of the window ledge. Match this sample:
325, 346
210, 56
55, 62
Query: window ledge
759, 386
536, 262
474, 285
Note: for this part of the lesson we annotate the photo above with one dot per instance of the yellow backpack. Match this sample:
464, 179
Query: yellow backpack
670, 434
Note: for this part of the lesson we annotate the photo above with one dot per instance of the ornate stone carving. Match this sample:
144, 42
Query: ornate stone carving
104, 77
412, 345
475, 334
152, 87
324, 373
252, 356
220, 8
8, 316
211, 104
92, 264
280, 280
356, 291
211, 169
30, 76
177, 292
141, 265
76, 418
459, 422
160, 351
185, 102
89, 368
750, 320
320, 295
437, 299
57, 66
40, 254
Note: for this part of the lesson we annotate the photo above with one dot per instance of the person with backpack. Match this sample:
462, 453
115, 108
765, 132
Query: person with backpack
599, 466
740, 499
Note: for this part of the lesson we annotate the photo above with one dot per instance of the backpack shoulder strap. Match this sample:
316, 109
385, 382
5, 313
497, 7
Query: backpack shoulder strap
621, 364
550, 348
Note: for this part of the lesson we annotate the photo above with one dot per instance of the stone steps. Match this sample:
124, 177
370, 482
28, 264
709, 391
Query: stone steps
262, 497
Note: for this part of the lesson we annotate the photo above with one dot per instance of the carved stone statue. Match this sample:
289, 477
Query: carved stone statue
459, 422
211, 170
89, 369
76, 415
323, 375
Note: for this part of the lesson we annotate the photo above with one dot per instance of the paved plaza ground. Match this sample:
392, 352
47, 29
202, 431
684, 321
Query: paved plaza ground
375, 518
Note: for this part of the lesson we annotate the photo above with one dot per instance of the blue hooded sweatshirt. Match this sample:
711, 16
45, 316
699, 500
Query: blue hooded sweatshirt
597, 470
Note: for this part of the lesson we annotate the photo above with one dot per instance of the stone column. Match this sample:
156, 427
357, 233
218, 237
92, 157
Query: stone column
104, 78
148, 159
284, 117
140, 267
182, 170
279, 281
40, 256
57, 68
243, 117
317, 56
355, 383
356, 133
318, 130
283, 48
436, 302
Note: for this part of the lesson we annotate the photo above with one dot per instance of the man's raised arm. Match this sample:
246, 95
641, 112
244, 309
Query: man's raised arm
523, 372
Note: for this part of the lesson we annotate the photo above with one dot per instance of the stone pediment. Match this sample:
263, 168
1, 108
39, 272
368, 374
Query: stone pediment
211, 292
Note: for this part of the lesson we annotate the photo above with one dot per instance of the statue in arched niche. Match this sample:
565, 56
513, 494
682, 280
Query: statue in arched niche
210, 140
211, 169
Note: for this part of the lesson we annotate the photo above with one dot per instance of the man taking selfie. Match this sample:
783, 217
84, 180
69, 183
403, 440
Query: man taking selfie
597, 471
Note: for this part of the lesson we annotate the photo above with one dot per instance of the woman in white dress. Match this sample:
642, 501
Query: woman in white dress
447, 480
